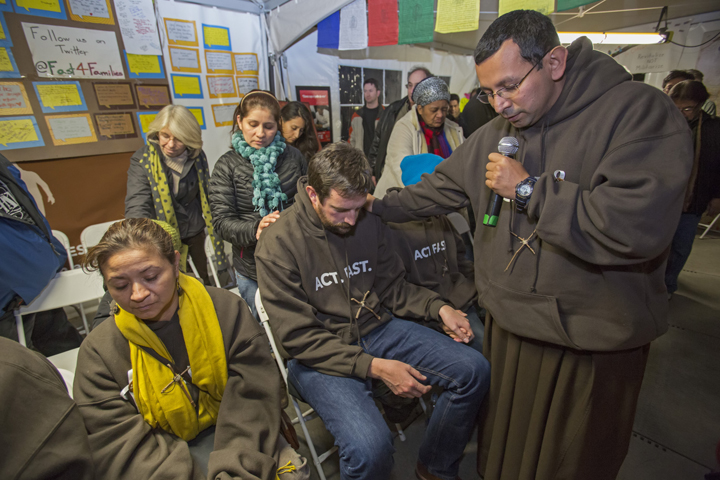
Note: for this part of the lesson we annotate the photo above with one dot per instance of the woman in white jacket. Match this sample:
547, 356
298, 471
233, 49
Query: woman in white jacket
425, 129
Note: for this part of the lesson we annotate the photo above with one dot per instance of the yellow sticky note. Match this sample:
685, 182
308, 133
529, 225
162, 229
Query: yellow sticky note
186, 85
198, 115
457, 16
5, 63
59, 95
47, 5
216, 36
145, 121
143, 63
543, 6
2, 32
17, 131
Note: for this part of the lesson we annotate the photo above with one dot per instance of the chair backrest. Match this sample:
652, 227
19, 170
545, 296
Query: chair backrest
65, 241
265, 320
92, 235
210, 254
67, 288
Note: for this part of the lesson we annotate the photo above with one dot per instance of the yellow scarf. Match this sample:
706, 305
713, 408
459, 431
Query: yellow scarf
163, 201
172, 410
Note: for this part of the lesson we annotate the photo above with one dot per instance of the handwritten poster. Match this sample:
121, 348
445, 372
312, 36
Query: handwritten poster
186, 86
19, 132
221, 86
246, 63
199, 116
14, 99
91, 11
73, 52
8, 67
185, 59
114, 96
223, 115
5, 40
41, 8
246, 85
216, 37
153, 95
136, 19
181, 32
115, 125
219, 62
457, 16
71, 129
144, 66
57, 97
144, 121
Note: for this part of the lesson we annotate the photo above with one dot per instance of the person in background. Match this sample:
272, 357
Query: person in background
424, 130
572, 276
364, 120
168, 181
298, 130
703, 188
252, 183
43, 435
675, 77
709, 106
454, 111
179, 362
475, 115
391, 115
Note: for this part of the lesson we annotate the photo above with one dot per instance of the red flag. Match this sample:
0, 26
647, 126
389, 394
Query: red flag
382, 22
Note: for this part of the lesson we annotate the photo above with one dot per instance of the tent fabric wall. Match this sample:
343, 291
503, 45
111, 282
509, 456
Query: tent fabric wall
293, 19
307, 66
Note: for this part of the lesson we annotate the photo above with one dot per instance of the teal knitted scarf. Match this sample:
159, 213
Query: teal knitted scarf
267, 192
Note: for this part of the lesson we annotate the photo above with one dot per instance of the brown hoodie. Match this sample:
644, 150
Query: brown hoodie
312, 283
596, 280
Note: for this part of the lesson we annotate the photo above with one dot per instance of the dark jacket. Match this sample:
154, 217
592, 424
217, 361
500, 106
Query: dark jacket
313, 281
707, 182
475, 115
43, 435
186, 202
248, 423
601, 236
383, 129
234, 216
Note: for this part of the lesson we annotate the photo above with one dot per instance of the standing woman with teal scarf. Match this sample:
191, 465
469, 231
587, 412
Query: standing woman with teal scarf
252, 183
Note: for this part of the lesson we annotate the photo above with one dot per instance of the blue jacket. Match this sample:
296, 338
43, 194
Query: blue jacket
31, 256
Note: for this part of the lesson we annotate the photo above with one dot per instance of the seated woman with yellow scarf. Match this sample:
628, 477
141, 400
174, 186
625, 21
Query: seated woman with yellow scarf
179, 360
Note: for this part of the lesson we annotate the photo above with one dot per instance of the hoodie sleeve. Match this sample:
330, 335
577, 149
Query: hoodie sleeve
138, 198
295, 324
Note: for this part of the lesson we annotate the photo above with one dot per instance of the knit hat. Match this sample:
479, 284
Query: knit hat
413, 166
429, 90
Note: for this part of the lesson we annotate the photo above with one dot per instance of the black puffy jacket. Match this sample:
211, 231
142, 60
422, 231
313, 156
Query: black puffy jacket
233, 213
383, 129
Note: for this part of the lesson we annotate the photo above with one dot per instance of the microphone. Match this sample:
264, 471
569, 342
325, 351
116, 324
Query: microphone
508, 146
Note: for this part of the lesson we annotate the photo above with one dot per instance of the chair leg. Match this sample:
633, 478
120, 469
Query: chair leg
311, 446
214, 274
84, 320
20, 329
709, 227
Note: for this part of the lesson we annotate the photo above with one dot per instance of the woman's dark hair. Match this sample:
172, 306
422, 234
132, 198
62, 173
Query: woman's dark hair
340, 167
532, 31
307, 142
690, 90
675, 74
251, 101
130, 233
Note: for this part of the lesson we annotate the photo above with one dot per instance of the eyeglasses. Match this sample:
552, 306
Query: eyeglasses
688, 109
511, 90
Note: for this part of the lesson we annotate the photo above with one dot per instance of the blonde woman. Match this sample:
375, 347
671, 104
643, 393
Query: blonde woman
168, 181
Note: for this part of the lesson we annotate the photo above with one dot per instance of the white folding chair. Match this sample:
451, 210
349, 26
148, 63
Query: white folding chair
460, 224
65, 241
66, 363
92, 235
67, 288
708, 226
301, 417
210, 254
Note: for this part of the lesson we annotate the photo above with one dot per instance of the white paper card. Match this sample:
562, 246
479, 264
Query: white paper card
136, 19
70, 127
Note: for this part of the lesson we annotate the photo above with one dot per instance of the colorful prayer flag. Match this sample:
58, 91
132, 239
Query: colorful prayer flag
353, 26
457, 16
382, 22
416, 20
329, 32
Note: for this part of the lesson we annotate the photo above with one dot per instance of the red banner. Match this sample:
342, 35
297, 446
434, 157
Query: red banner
382, 22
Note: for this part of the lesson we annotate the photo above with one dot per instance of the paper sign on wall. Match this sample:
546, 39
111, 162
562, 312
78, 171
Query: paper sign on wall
181, 32
186, 86
14, 99
223, 115
41, 8
221, 86
57, 97
185, 59
5, 40
144, 66
152, 95
114, 96
199, 116
246, 85
219, 62
19, 132
246, 63
115, 125
136, 19
73, 52
91, 11
144, 121
8, 67
216, 37
71, 129
6, 6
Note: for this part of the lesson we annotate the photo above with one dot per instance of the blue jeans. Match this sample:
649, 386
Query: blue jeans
680, 249
247, 287
477, 327
346, 406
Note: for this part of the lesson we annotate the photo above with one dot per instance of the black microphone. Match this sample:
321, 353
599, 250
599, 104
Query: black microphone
508, 146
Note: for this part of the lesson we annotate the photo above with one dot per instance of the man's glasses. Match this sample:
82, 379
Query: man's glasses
688, 109
511, 90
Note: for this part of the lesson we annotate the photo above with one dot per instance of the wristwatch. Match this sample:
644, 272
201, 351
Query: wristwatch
523, 190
